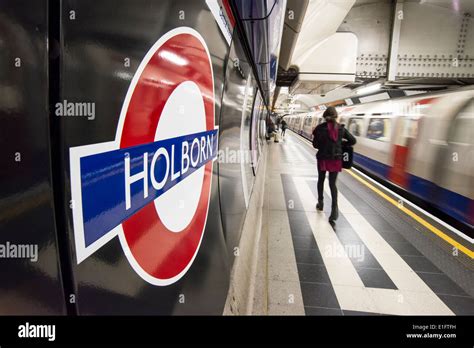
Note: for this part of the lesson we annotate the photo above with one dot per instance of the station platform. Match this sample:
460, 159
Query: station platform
383, 256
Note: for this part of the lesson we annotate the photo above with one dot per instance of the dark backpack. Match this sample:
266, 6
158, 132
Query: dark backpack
347, 155
346, 150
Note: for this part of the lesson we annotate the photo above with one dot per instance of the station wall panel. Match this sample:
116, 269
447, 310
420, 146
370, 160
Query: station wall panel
235, 168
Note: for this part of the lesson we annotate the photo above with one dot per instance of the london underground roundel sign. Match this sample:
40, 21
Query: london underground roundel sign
151, 186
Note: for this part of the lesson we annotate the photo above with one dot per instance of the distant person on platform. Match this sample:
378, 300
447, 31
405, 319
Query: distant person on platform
284, 126
270, 129
328, 138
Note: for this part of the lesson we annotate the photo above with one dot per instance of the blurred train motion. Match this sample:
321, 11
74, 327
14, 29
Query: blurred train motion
424, 144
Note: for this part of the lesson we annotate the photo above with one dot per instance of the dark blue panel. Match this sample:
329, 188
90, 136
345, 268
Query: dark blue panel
421, 187
103, 178
374, 166
451, 203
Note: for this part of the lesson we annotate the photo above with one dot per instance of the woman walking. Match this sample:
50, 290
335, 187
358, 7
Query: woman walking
328, 138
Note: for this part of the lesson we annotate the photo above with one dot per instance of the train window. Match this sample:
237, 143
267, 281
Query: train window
307, 121
410, 127
355, 126
379, 129
320, 120
463, 126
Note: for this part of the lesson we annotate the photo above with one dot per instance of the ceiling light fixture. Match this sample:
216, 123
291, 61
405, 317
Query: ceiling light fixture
369, 89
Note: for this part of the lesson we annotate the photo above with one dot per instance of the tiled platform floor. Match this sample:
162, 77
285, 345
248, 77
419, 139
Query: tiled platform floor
375, 260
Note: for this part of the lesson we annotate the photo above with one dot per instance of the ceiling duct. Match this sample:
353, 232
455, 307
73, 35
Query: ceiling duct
295, 13
332, 64
310, 41
326, 59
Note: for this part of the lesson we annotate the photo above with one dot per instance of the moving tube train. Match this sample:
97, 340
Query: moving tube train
424, 144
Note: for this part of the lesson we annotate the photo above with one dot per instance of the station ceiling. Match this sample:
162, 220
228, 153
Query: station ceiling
428, 42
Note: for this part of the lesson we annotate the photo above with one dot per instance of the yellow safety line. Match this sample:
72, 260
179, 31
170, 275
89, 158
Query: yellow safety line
422, 221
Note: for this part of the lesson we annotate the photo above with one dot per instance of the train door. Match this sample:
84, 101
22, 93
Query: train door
406, 130
314, 122
297, 125
456, 167
355, 126
307, 126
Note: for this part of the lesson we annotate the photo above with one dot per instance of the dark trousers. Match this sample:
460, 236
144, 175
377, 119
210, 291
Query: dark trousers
332, 186
283, 131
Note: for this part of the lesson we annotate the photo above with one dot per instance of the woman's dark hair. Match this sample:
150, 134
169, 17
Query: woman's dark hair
330, 112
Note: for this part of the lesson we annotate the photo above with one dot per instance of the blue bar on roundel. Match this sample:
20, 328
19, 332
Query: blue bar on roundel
116, 184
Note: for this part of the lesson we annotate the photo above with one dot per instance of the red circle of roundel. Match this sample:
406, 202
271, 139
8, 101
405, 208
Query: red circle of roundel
163, 255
